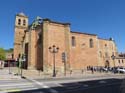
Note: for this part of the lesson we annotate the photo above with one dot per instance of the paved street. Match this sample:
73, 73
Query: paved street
9, 82
96, 86
109, 83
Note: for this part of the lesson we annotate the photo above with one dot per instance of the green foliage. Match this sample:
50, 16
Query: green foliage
9, 50
2, 54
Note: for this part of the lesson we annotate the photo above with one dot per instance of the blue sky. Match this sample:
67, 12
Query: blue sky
106, 18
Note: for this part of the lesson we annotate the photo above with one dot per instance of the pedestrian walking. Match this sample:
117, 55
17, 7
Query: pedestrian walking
92, 69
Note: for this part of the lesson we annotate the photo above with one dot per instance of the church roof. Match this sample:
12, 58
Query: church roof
110, 39
83, 33
21, 14
47, 19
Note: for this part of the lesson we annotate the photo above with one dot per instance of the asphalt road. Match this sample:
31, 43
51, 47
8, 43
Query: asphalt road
87, 84
96, 86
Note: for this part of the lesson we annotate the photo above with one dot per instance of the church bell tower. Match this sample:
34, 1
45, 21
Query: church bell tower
21, 24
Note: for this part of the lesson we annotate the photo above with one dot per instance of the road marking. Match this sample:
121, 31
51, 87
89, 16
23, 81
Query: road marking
11, 90
44, 86
17, 88
85, 85
15, 84
102, 81
9, 78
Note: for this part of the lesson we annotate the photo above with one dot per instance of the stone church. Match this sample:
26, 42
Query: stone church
49, 44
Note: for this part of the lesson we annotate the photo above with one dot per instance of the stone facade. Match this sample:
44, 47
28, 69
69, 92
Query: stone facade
81, 49
106, 49
82, 55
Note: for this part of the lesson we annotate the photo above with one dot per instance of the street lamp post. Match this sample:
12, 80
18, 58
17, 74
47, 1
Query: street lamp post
9, 64
113, 58
9, 67
18, 64
22, 60
21, 66
54, 50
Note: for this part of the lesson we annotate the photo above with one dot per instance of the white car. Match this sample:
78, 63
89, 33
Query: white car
121, 70
105, 69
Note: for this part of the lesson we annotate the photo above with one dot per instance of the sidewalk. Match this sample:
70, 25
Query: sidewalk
5, 75
34, 74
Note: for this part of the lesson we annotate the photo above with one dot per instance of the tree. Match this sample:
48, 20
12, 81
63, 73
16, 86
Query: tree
9, 50
2, 54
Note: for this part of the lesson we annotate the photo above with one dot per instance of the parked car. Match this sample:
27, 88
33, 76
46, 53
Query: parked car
114, 69
121, 70
105, 69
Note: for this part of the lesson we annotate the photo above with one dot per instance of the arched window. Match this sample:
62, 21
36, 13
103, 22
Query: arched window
122, 61
73, 41
119, 61
19, 21
91, 43
24, 22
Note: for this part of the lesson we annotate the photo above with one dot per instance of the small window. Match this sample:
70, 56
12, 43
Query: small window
19, 21
24, 22
91, 43
73, 41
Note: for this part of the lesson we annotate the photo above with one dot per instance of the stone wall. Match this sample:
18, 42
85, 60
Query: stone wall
58, 35
81, 54
106, 49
